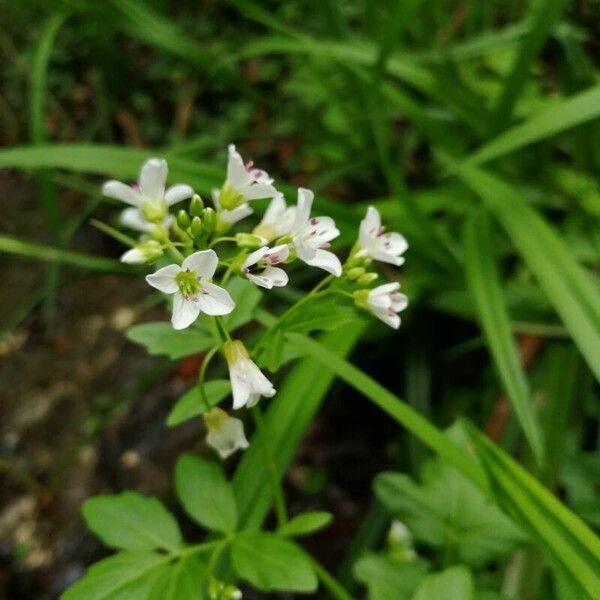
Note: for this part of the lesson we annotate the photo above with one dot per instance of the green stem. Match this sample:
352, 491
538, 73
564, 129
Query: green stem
221, 239
196, 548
330, 583
202, 374
316, 291
278, 495
222, 331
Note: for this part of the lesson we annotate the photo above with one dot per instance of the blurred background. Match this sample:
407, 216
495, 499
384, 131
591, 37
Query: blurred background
366, 102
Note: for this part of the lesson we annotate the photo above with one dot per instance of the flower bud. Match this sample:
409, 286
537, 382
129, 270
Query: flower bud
196, 206
196, 227
209, 219
249, 240
367, 278
183, 219
355, 273
355, 261
143, 253
361, 297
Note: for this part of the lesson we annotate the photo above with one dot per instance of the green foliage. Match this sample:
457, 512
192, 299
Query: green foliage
129, 521
448, 512
305, 524
205, 493
182, 580
455, 583
161, 338
191, 405
271, 563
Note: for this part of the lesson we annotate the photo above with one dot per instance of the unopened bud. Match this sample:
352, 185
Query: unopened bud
183, 219
249, 240
355, 273
209, 219
361, 297
367, 278
143, 253
196, 226
196, 206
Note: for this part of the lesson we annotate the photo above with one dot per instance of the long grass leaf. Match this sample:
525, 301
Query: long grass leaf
484, 282
572, 291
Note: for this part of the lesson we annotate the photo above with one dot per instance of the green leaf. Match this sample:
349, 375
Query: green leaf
387, 579
183, 580
161, 338
124, 576
570, 289
205, 494
191, 405
455, 583
550, 120
271, 563
484, 281
573, 545
447, 511
306, 523
132, 522
246, 297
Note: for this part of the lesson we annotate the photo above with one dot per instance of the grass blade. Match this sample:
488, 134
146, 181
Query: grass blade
484, 282
561, 532
570, 289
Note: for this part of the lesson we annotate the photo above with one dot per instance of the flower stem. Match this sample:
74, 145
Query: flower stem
202, 374
222, 239
330, 583
278, 496
222, 330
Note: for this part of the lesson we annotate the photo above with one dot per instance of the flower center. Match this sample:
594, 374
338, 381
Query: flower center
188, 283
154, 211
230, 198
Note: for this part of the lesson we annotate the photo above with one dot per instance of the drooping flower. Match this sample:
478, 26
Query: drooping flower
132, 218
149, 196
384, 302
259, 266
230, 216
312, 235
248, 383
225, 433
277, 221
193, 291
143, 253
243, 182
378, 245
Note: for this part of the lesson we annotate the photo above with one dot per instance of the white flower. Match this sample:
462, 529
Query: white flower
385, 247
243, 182
259, 268
385, 301
311, 235
149, 196
230, 216
194, 293
133, 219
277, 221
144, 252
225, 433
248, 383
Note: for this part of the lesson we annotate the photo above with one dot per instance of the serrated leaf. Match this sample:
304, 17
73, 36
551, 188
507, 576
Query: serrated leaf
387, 579
183, 580
205, 494
161, 338
306, 523
447, 509
191, 405
131, 521
455, 583
124, 576
271, 563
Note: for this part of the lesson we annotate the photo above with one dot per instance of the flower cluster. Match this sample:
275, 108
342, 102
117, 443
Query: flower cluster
285, 234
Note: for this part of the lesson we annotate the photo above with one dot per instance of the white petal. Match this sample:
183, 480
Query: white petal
304, 251
215, 300
258, 190
258, 382
133, 218
203, 263
386, 257
277, 254
252, 400
255, 256
177, 193
305, 200
259, 280
237, 214
274, 210
388, 317
399, 302
164, 279
152, 178
214, 194
369, 227
386, 288
228, 438
120, 191
240, 387
237, 176
133, 257
185, 312
327, 261
269, 278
